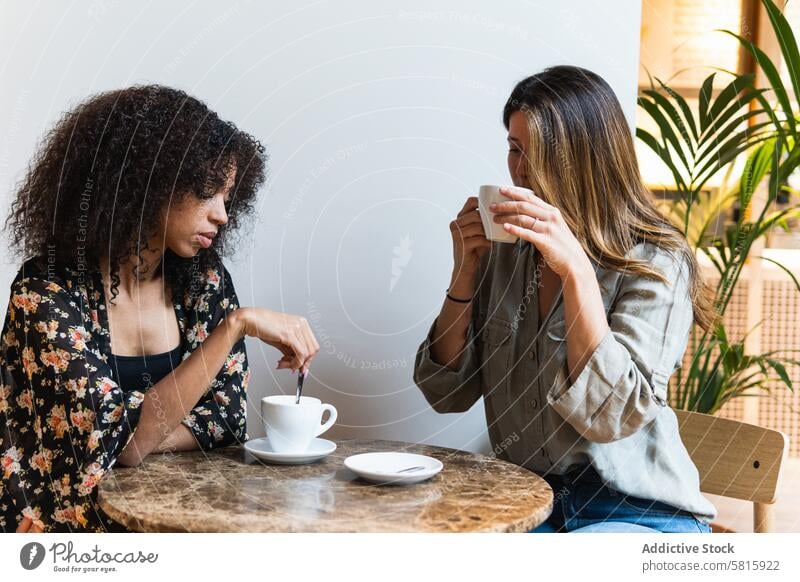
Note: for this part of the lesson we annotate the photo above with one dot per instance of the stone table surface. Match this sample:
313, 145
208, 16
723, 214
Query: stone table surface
229, 490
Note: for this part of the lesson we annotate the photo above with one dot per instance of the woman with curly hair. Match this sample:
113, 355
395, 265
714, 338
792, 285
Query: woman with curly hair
124, 335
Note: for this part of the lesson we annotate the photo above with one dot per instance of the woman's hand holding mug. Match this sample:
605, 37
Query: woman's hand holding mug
469, 245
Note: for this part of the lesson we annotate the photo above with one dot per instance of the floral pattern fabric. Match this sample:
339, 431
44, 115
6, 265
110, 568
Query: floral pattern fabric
63, 417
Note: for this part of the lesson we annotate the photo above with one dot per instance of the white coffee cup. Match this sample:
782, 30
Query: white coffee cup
494, 231
291, 427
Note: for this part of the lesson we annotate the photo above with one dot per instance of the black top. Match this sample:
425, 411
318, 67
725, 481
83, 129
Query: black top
142, 372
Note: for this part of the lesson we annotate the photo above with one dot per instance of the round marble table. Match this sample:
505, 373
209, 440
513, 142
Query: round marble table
228, 490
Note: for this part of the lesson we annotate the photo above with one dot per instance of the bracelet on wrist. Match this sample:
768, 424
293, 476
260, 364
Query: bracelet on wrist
456, 299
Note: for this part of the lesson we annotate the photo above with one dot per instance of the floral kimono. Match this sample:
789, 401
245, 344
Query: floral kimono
63, 417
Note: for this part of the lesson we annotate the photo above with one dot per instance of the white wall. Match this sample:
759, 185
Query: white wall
379, 122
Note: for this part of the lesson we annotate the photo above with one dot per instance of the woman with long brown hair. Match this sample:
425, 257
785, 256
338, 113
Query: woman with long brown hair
572, 333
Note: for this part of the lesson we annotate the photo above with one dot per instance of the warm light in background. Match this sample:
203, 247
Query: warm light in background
680, 46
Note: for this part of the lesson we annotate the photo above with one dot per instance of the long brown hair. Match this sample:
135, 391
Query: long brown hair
582, 160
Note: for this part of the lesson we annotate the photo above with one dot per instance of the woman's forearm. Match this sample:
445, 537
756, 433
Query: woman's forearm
167, 402
584, 317
450, 329
180, 439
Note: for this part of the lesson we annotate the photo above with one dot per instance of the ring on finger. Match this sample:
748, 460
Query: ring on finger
535, 220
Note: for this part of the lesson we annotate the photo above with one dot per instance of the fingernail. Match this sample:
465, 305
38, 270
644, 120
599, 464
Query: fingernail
493, 205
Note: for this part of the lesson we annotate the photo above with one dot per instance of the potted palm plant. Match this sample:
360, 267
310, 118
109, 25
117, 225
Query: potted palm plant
740, 121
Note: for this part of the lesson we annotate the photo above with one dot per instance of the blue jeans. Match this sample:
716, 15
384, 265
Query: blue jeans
583, 504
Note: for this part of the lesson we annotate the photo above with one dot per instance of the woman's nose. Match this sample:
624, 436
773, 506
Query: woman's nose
218, 214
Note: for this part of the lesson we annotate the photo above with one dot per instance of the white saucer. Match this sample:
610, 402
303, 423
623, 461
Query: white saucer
385, 467
262, 449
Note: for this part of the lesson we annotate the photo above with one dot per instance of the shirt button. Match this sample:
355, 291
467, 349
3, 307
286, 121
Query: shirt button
534, 403
531, 355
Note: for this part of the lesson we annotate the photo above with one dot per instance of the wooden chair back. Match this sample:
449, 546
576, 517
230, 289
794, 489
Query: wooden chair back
736, 459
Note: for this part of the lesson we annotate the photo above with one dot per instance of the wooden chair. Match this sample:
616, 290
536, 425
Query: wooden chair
736, 459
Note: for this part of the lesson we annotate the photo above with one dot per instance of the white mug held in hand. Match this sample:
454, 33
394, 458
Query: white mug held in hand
291, 427
494, 230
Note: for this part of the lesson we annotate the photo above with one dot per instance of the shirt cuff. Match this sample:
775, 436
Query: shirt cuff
581, 402
437, 377
132, 401
133, 408
200, 422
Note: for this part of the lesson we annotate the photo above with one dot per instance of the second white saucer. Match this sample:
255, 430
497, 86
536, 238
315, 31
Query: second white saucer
397, 468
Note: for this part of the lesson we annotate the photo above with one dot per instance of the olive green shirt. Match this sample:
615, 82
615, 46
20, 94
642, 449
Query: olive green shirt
615, 415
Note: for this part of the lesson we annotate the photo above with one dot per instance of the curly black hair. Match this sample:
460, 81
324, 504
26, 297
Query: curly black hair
104, 174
